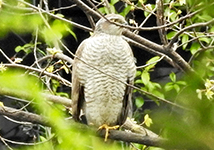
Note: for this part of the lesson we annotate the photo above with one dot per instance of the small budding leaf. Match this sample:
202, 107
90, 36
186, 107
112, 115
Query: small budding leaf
147, 120
18, 60
50, 69
1, 104
2, 67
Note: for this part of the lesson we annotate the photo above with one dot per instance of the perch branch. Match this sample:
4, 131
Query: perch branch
114, 134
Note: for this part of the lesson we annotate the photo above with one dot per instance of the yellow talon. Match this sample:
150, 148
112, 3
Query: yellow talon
105, 126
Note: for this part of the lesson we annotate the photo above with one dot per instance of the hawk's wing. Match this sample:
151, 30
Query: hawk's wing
127, 104
77, 89
127, 99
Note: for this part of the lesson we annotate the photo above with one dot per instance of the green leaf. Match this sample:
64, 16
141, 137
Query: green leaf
171, 34
172, 77
173, 15
146, 13
168, 87
184, 39
158, 93
176, 87
71, 32
138, 81
145, 77
18, 48
27, 48
194, 47
138, 73
139, 101
114, 2
126, 10
152, 62
206, 40
204, 17
181, 82
102, 10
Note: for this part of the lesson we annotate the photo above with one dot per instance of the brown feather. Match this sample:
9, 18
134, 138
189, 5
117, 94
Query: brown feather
77, 90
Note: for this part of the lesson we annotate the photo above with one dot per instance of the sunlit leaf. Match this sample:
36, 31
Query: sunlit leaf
182, 2
184, 41
168, 86
176, 87
172, 77
181, 82
207, 40
147, 120
199, 92
171, 34
2, 67
145, 77
138, 73
114, 2
50, 69
138, 81
1, 104
65, 69
209, 94
126, 10
152, 62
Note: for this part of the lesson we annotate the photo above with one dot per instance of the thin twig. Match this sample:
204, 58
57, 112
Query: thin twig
173, 40
6, 56
35, 48
5, 143
140, 67
57, 17
59, 78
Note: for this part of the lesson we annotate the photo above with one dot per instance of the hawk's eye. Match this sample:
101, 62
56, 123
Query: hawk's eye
117, 21
113, 20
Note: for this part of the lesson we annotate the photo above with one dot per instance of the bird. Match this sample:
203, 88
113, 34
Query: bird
103, 68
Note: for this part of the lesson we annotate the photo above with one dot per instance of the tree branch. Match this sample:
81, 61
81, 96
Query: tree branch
25, 95
134, 138
114, 134
22, 115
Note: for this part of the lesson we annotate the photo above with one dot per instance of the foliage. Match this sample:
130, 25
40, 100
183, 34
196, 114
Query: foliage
185, 114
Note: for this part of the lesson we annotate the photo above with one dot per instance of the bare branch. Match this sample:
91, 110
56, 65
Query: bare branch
160, 21
25, 95
22, 115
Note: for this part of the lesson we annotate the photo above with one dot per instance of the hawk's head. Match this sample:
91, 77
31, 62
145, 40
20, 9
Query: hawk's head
106, 25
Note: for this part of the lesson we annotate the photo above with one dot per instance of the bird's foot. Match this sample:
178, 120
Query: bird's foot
105, 126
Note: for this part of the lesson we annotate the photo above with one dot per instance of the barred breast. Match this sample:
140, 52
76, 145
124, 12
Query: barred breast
103, 94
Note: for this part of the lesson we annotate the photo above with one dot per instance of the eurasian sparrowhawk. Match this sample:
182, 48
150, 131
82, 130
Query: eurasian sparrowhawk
103, 99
